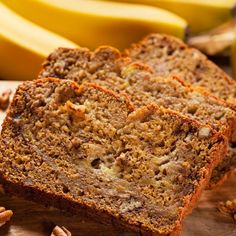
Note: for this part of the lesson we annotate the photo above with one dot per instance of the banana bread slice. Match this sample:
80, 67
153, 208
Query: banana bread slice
168, 55
107, 68
84, 150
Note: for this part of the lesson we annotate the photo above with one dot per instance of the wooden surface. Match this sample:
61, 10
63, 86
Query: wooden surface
35, 220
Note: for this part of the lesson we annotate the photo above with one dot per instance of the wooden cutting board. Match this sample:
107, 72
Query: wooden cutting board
32, 219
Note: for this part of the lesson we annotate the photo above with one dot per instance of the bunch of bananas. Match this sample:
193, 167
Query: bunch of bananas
24, 45
201, 15
31, 29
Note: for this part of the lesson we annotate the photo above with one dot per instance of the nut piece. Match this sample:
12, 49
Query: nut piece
228, 207
130, 205
204, 132
5, 215
5, 99
77, 110
60, 231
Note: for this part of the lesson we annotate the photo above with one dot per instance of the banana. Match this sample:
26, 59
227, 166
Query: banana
24, 45
201, 15
93, 23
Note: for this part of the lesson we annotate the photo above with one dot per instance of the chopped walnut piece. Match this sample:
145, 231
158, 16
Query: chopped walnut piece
5, 99
5, 215
60, 231
228, 207
77, 110
204, 132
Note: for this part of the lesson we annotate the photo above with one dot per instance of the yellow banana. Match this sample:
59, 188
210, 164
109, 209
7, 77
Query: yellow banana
23, 46
201, 15
92, 23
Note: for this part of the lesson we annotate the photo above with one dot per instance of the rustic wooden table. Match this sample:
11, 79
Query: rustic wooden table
31, 219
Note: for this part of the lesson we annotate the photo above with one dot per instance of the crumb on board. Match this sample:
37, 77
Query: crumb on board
5, 215
228, 207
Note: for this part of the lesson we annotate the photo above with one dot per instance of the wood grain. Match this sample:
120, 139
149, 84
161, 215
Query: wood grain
36, 220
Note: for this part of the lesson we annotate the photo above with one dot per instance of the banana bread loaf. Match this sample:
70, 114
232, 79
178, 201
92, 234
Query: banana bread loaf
107, 68
84, 150
168, 55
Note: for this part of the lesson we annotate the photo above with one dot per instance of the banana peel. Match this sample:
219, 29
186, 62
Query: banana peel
24, 46
93, 23
201, 15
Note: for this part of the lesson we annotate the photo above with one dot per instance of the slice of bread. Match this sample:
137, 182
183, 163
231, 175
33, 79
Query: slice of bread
107, 68
83, 149
168, 55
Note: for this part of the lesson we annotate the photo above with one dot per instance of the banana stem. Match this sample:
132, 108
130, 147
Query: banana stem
216, 40
212, 45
